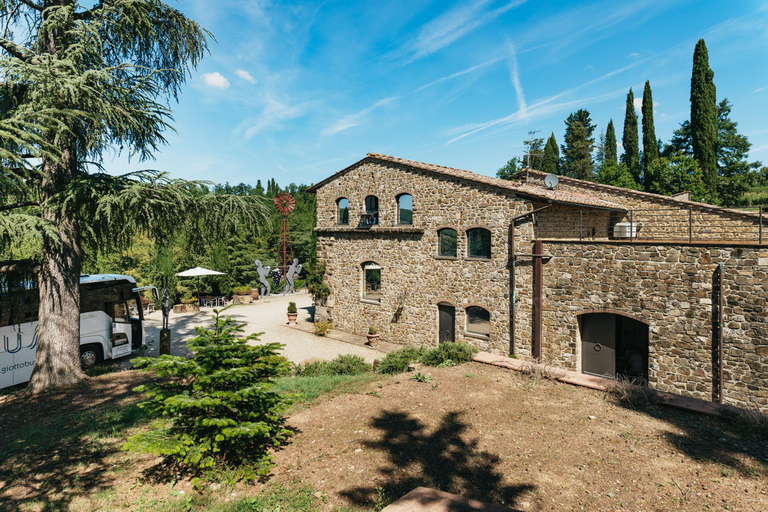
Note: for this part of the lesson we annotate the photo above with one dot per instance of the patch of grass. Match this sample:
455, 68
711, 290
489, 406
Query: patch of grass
51, 432
420, 377
310, 388
345, 364
279, 497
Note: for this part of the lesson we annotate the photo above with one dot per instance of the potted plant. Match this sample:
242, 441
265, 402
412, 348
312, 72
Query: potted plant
322, 328
242, 290
373, 336
292, 313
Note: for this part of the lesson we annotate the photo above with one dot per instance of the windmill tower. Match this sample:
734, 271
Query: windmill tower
285, 204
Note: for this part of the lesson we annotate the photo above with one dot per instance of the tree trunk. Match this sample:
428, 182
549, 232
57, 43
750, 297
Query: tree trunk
57, 361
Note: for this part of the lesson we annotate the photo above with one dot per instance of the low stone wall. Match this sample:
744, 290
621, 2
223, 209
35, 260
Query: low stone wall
185, 308
669, 287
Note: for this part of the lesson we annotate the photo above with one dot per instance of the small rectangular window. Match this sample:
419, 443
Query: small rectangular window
479, 243
478, 321
448, 242
372, 284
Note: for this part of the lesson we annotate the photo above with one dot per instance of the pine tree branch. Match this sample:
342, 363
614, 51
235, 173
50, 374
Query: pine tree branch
18, 205
12, 48
33, 5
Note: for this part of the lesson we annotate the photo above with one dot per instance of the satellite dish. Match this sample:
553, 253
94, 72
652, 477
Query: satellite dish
551, 180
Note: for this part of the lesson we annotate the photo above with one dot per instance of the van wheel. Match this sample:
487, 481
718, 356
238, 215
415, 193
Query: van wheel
90, 355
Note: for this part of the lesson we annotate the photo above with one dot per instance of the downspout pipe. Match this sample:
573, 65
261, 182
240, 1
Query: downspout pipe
513, 260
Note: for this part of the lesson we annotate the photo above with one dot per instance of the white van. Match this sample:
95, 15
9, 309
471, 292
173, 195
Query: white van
111, 324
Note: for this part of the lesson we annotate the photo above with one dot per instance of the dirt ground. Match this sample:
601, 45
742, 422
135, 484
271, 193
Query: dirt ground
480, 431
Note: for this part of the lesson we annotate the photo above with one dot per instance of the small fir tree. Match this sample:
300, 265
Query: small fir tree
217, 407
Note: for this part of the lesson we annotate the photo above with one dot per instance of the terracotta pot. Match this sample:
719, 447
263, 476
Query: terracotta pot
373, 339
254, 294
292, 318
243, 293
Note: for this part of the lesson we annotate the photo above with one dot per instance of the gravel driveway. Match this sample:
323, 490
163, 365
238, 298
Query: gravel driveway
267, 315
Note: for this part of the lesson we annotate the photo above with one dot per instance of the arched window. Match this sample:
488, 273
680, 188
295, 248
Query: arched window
371, 216
343, 211
447, 242
405, 209
479, 243
478, 321
371, 281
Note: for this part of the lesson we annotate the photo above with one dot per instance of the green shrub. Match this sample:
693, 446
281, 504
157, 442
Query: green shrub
292, 307
217, 406
457, 353
398, 361
346, 364
241, 289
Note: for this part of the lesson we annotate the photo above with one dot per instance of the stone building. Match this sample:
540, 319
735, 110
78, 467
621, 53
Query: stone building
589, 277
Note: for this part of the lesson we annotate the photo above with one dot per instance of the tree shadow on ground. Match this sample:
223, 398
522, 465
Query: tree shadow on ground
60, 446
445, 459
736, 440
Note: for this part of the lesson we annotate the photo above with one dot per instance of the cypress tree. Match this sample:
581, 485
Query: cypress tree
609, 153
650, 146
704, 116
550, 162
631, 156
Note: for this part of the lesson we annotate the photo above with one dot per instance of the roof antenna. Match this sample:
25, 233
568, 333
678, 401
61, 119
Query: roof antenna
528, 143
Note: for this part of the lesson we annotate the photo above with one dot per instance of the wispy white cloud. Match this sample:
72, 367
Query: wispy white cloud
541, 108
458, 74
634, 55
452, 26
244, 75
272, 117
215, 80
638, 102
759, 89
355, 119
514, 75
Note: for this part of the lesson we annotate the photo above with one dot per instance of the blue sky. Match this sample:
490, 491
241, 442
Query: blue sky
299, 90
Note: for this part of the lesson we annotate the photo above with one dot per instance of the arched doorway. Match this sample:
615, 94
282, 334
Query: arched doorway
613, 344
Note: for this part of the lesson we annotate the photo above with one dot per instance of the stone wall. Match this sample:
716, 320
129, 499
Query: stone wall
667, 285
408, 254
661, 217
670, 287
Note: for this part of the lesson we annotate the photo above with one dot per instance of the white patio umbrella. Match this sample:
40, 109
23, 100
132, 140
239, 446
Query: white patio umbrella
197, 272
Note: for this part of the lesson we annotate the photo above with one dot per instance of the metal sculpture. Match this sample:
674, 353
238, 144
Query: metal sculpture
285, 203
263, 278
166, 302
293, 271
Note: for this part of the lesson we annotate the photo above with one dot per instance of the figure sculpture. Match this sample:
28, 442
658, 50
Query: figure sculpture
290, 274
166, 304
264, 278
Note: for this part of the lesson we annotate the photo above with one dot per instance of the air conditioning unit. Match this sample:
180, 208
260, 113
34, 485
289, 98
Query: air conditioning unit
625, 230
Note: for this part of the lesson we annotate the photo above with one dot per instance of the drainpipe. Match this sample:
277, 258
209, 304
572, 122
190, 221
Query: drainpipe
538, 286
717, 331
513, 258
